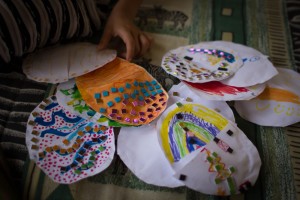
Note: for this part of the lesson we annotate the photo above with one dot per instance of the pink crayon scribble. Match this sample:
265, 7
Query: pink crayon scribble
217, 88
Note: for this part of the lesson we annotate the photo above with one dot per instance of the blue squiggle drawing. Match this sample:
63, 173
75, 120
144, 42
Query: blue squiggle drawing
60, 113
53, 132
77, 156
72, 127
81, 128
51, 105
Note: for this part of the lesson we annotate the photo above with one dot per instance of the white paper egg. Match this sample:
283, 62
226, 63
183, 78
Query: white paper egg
202, 62
63, 62
209, 153
278, 105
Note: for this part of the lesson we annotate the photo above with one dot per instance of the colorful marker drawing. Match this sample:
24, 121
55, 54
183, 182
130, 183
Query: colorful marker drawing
76, 101
217, 54
187, 128
188, 133
131, 96
223, 173
65, 146
69, 95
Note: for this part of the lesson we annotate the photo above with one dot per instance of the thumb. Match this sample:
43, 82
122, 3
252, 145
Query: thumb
105, 39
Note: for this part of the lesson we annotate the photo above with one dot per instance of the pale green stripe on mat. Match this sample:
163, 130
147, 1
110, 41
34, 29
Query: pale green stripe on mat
267, 31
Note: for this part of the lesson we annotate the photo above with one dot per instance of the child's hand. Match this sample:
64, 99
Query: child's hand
137, 43
120, 24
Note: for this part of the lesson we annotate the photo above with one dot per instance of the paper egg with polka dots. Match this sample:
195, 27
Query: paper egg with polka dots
65, 146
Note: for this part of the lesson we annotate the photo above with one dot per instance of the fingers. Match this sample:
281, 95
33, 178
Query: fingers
130, 42
105, 39
145, 43
137, 44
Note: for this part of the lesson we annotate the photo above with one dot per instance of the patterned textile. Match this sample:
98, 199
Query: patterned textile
19, 96
27, 25
293, 12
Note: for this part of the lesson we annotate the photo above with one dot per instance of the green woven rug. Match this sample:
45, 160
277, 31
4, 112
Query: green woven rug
261, 24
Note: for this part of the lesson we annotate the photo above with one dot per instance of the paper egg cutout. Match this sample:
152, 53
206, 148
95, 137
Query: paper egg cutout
63, 62
69, 97
278, 105
67, 147
123, 92
216, 90
207, 152
200, 63
256, 68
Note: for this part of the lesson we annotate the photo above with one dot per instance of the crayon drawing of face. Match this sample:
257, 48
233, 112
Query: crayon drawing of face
283, 101
278, 105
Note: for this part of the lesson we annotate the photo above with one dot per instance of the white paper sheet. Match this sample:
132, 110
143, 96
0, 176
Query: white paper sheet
67, 147
278, 105
188, 133
62, 62
202, 62
139, 149
85, 57
48, 65
215, 90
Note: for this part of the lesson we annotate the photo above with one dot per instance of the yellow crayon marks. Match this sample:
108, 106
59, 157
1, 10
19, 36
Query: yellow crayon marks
279, 109
298, 112
290, 111
214, 59
281, 96
200, 111
261, 107
72, 102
